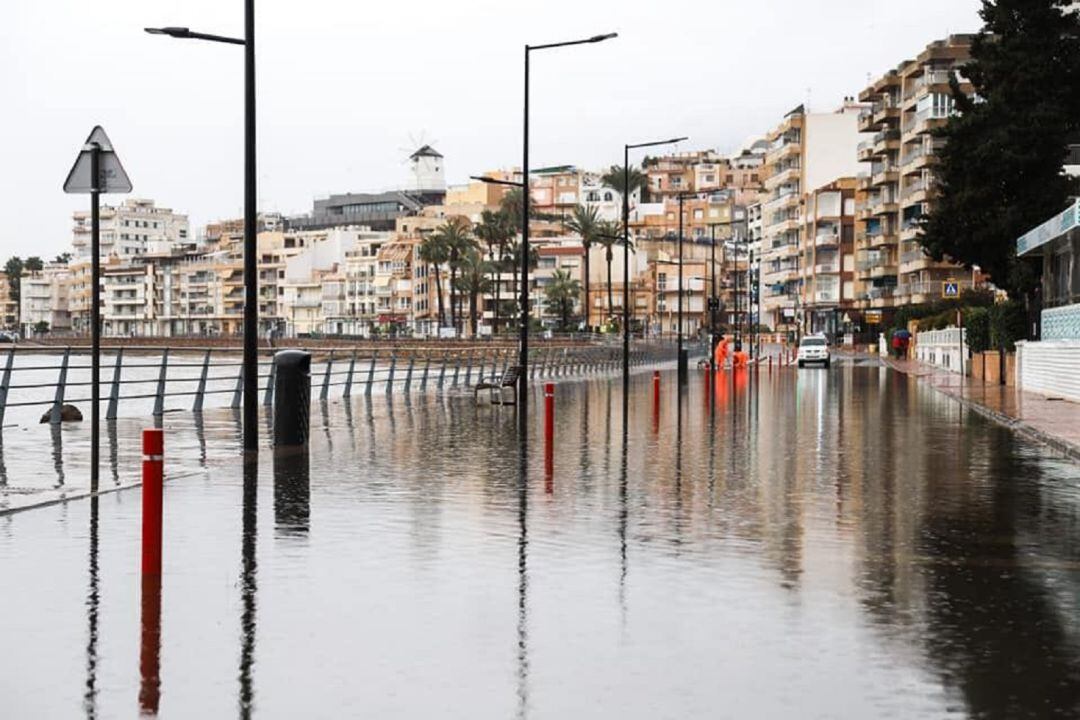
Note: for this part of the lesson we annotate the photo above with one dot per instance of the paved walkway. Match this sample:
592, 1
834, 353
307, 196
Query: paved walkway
1055, 423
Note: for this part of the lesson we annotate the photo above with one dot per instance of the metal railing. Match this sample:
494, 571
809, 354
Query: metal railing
156, 374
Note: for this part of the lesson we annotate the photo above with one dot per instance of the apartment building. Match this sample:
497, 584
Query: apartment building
906, 105
43, 299
9, 306
128, 229
806, 151
826, 258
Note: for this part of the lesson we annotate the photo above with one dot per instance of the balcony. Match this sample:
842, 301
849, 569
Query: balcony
827, 239
865, 151
885, 175
783, 176
886, 140
826, 296
782, 201
915, 192
832, 268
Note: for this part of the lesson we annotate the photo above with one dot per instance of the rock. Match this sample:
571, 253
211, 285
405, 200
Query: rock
68, 413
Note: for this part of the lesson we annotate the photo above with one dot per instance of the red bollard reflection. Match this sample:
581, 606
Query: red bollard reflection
549, 438
150, 646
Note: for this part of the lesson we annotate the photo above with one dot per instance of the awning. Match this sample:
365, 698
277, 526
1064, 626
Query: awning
1050, 230
382, 280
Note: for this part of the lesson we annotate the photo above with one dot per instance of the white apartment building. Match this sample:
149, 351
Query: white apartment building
127, 230
44, 299
806, 151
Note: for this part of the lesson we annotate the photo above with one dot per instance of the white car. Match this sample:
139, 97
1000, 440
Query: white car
814, 349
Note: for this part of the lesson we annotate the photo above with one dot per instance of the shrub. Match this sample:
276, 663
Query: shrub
1008, 323
977, 325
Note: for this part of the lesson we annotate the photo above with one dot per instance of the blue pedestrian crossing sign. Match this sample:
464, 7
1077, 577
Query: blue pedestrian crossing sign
950, 289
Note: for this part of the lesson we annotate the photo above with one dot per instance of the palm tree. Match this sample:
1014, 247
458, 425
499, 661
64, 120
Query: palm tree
615, 180
495, 231
609, 234
585, 222
456, 235
514, 257
473, 281
561, 292
435, 252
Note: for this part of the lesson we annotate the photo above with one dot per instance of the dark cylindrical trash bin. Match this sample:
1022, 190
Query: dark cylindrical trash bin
292, 397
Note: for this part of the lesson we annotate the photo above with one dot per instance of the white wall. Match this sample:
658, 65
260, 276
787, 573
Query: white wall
1049, 368
831, 145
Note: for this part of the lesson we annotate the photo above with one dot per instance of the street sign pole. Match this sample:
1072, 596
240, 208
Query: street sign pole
97, 170
95, 311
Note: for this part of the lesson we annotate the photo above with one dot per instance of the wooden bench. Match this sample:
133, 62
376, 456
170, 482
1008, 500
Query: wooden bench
509, 380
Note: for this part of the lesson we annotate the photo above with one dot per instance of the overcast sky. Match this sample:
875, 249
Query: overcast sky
344, 84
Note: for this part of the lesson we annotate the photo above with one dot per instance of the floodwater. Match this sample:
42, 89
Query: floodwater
810, 544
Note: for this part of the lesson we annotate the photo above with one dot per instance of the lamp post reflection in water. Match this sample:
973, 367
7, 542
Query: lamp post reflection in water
523, 584
248, 587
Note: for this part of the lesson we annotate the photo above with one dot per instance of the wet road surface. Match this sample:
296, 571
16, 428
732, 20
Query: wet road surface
831, 544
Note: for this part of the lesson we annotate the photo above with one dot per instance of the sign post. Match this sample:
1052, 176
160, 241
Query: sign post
97, 170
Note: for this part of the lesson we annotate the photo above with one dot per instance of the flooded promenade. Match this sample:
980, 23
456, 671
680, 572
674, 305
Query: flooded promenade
841, 544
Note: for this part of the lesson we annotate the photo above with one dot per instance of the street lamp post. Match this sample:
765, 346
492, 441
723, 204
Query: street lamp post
523, 343
251, 278
626, 249
682, 373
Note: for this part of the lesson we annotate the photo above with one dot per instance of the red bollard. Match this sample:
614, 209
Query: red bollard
153, 475
656, 400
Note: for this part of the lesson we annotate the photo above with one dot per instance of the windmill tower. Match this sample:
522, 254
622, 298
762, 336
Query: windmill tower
427, 177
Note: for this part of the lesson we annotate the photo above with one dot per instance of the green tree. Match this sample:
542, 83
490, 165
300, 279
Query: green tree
473, 281
41, 327
34, 264
435, 252
63, 258
561, 292
1000, 171
609, 234
615, 179
13, 268
457, 235
495, 232
514, 260
585, 222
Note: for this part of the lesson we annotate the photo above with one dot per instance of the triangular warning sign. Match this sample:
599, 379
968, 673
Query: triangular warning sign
111, 175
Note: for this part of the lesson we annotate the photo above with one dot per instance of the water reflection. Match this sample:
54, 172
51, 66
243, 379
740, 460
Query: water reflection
292, 491
523, 585
57, 452
93, 603
150, 646
248, 586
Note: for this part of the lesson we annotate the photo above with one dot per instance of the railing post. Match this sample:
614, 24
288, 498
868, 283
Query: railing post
114, 390
371, 372
5, 382
408, 373
442, 370
239, 391
159, 394
506, 361
61, 384
480, 372
326, 378
348, 379
457, 367
268, 395
390, 376
427, 367
200, 392
468, 370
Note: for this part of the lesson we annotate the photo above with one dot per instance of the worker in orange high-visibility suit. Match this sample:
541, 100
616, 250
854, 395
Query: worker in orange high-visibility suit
721, 354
